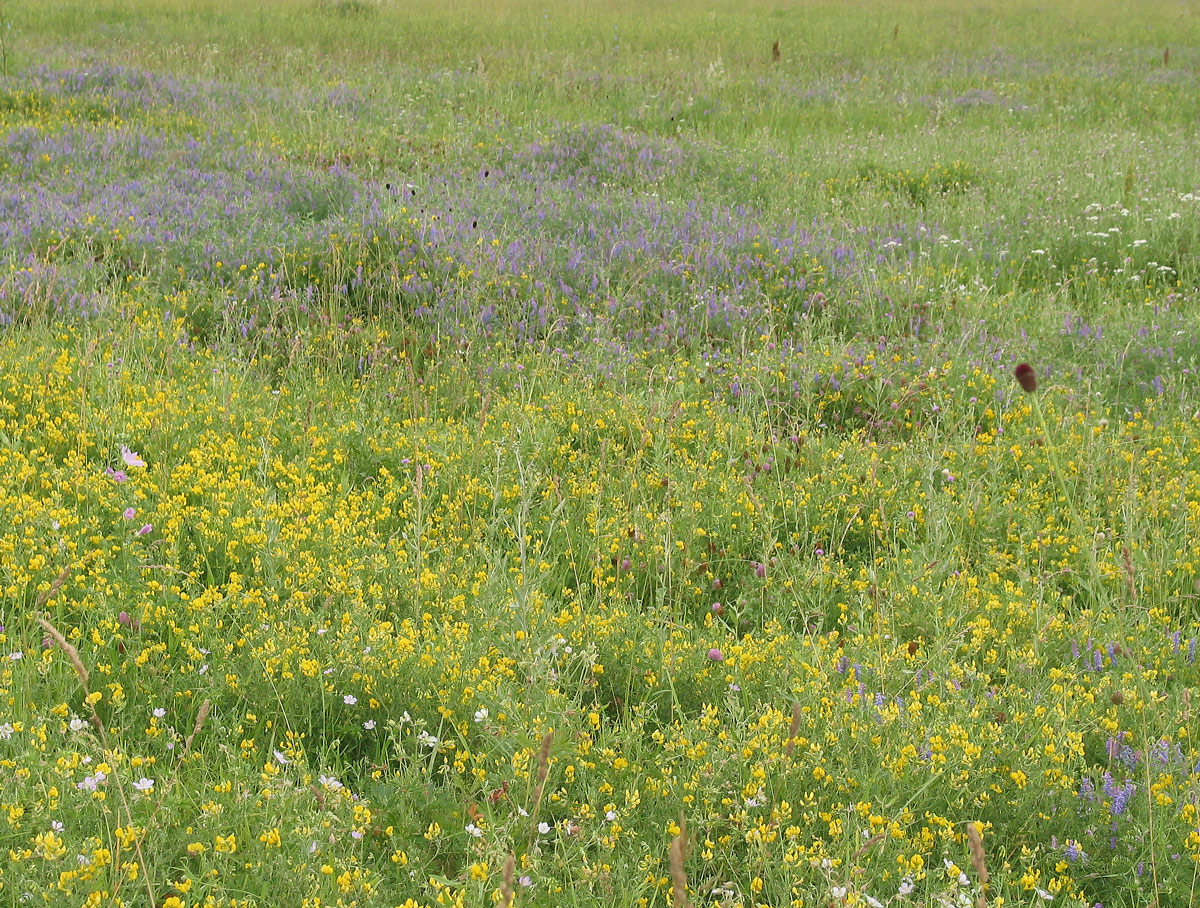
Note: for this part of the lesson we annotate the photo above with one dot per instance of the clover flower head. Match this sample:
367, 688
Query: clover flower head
1026, 378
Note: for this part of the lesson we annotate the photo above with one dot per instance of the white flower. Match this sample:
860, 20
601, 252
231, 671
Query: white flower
281, 759
473, 830
330, 782
610, 816
6, 731
144, 784
349, 699
481, 714
369, 725
1044, 895
906, 886
17, 656
159, 712
838, 892
427, 739
543, 827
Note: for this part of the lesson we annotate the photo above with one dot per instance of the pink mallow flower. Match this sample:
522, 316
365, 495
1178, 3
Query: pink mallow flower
131, 457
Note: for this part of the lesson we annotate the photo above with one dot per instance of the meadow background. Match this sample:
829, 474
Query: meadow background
464, 453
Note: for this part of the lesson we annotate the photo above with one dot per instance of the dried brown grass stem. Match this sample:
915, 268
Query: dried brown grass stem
975, 843
792, 730
678, 855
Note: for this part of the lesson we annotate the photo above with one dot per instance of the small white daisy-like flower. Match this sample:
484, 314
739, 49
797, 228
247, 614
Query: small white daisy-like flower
144, 784
481, 714
349, 699
369, 725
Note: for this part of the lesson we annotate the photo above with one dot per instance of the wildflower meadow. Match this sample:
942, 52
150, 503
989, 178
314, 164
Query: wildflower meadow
650, 453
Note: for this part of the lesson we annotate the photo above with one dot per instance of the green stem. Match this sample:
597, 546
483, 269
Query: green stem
1077, 525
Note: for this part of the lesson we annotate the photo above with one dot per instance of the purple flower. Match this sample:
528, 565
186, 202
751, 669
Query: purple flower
128, 513
716, 655
146, 528
115, 475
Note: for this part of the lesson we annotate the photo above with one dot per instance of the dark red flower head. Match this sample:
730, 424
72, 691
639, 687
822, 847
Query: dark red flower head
1026, 377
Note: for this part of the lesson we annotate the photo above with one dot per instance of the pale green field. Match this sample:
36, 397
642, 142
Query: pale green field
468, 454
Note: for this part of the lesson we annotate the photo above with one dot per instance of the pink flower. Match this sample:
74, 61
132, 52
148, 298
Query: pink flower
128, 513
131, 458
716, 655
115, 475
146, 528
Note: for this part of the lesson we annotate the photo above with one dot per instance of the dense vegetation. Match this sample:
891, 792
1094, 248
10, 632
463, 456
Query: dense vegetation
474, 453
